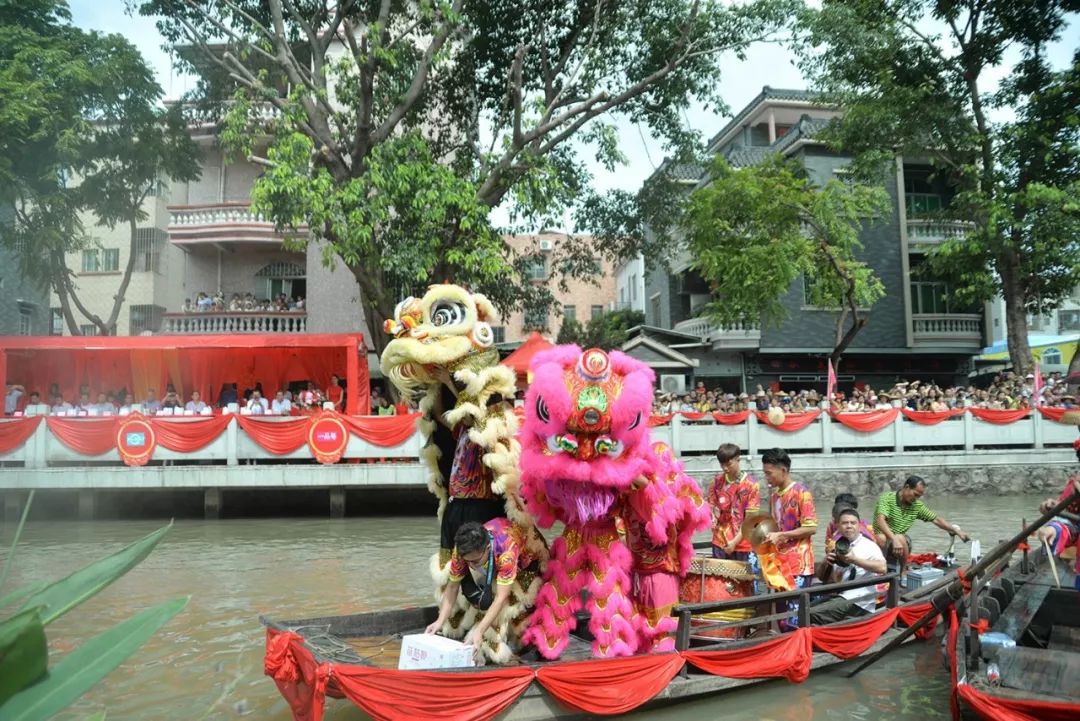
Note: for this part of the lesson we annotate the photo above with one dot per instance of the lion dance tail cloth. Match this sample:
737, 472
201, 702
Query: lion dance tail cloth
628, 508
470, 448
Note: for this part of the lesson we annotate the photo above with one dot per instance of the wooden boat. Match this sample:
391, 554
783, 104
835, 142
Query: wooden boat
1015, 650
356, 657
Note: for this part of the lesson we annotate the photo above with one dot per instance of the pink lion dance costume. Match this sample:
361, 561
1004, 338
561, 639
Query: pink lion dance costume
585, 442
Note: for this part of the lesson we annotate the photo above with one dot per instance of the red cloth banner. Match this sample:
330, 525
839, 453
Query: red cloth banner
1055, 414
788, 656
390, 695
385, 431
15, 432
867, 422
731, 419
279, 437
300, 680
610, 686
88, 436
910, 614
792, 421
999, 417
996, 708
692, 415
931, 418
848, 640
187, 436
660, 419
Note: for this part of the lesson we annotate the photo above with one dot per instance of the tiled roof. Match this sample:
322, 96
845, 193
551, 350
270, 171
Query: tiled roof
806, 128
743, 156
767, 93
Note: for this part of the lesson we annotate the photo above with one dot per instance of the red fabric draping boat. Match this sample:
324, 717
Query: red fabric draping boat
792, 421
16, 431
867, 422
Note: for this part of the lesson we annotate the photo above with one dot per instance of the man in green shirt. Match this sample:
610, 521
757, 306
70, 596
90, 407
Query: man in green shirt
895, 514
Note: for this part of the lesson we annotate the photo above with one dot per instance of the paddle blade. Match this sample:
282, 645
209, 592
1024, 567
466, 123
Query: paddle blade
89, 663
24, 653
60, 597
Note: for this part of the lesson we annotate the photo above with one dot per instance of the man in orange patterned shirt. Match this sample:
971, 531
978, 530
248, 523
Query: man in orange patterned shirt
792, 507
733, 496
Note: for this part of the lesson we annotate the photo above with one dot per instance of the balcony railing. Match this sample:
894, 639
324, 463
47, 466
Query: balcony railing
226, 323
928, 232
954, 329
732, 335
220, 223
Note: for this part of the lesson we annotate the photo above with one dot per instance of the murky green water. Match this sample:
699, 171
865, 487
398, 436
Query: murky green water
207, 662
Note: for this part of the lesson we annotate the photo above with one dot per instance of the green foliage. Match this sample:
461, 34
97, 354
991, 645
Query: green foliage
607, 331
752, 233
911, 77
81, 130
26, 690
394, 151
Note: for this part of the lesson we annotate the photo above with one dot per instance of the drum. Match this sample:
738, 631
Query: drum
718, 579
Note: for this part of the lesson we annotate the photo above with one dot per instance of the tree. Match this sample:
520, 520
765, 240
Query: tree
911, 76
753, 231
403, 124
82, 131
607, 331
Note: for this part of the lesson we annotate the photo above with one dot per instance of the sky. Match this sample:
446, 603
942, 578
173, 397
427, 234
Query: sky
741, 82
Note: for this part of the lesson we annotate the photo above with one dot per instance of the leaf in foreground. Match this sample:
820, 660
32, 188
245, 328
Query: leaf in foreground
67, 593
24, 653
77, 672
20, 593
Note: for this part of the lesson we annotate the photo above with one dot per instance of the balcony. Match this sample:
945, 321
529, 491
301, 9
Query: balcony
221, 224
925, 233
739, 335
952, 330
230, 323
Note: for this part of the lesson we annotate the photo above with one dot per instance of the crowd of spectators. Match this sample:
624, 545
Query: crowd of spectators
243, 303
1007, 391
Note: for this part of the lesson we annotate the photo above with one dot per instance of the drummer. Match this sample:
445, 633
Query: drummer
733, 495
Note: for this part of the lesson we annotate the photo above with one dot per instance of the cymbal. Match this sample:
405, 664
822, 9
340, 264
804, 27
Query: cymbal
755, 527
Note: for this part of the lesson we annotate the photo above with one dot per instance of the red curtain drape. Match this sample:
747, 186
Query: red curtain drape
792, 421
277, 437
300, 680
999, 417
931, 418
610, 686
867, 422
88, 436
389, 695
186, 436
692, 415
1054, 414
788, 656
851, 639
386, 431
995, 708
731, 419
15, 432
660, 419
910, 614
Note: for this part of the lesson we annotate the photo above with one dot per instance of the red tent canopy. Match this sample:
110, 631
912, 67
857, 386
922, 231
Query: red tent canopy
189, 362
520, 359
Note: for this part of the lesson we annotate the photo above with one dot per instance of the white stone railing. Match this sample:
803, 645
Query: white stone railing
228, 323
706, 328
925, 231
217, 214
959, 326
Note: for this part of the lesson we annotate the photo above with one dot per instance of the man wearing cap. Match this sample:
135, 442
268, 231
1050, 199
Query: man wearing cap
895, 514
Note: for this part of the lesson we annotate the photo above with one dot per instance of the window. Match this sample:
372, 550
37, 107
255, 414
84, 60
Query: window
595, 311
89, 329
499, 333
538, 269
816, 297
91, 261
633, 288
1051, 356
654, 302
148, 245
569, 312
933, 297
1069, 319
921, 197
1036, 322
26, 320
284, 277
144, 318
536, 319
56, 322
111, 260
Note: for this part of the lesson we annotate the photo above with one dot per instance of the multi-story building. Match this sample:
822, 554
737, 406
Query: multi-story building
24, 308
913, 332
581, 301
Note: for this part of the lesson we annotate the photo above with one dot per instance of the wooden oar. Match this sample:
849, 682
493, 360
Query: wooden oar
941, 600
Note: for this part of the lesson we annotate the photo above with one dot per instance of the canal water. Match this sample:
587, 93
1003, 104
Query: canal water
207, 662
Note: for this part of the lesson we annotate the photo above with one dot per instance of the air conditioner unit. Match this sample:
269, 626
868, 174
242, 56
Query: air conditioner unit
547, 245
673, 384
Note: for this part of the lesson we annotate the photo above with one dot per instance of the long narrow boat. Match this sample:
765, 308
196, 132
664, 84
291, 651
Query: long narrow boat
1014, 644
356, 657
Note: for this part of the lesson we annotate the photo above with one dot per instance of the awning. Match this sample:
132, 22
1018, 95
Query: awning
1063, 346
520, 359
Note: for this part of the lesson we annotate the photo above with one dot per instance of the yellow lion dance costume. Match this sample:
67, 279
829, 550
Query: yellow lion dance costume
444, 352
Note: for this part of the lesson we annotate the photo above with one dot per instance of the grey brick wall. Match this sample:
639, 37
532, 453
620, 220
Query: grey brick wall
16, 294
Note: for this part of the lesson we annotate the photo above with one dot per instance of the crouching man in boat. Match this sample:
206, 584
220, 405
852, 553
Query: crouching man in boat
493, 571
855, 559
1063, 532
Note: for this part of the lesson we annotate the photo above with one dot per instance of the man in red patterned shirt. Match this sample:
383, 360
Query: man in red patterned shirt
733, 496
